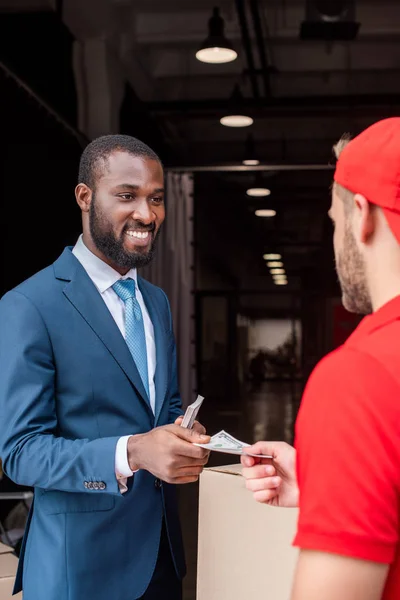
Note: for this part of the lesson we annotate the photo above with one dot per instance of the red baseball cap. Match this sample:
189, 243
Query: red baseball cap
370, 165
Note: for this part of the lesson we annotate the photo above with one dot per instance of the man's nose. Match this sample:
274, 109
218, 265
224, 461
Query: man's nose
143, 212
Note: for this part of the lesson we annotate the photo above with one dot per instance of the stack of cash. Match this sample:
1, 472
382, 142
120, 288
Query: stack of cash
191, 413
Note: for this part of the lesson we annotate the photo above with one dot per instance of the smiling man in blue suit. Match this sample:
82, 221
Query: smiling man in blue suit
89, 400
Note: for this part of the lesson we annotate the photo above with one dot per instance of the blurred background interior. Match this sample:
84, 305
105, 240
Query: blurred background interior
243, 100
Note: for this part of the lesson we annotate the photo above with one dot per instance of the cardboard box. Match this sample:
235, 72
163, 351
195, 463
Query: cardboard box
8, 569
244, 548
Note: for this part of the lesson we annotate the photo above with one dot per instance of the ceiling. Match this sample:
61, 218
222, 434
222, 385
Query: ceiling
303, 95
309, 95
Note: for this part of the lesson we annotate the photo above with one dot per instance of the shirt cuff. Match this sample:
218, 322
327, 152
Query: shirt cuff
122, 469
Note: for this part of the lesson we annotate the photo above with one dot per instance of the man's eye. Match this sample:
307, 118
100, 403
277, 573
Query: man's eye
157, 200
126, 196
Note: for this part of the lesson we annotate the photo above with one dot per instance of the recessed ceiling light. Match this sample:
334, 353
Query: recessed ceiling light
258, 192
265, 212
277, 271
274, 263
251, 162
272, 257
236, 121
280, 282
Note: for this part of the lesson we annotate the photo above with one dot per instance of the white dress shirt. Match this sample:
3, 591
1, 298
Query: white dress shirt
104, 277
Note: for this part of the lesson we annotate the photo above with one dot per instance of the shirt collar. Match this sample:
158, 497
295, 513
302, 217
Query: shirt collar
386, 314
102, 275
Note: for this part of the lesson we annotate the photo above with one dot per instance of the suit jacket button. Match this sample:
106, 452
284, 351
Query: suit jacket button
86, 484
90, 485
102, 485
95, 485
158, 483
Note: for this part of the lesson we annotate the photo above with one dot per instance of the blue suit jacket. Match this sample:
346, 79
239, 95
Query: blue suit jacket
69, 389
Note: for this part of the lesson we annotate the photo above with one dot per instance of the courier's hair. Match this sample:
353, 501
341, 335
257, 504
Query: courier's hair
94, 158
341, 145
345, 194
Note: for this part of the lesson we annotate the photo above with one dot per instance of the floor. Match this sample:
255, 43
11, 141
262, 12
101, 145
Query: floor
267, 413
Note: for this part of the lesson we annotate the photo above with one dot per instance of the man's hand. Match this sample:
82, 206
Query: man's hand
198, 427
169, 454
272, 481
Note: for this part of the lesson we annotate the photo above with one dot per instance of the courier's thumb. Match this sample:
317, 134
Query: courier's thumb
263, 448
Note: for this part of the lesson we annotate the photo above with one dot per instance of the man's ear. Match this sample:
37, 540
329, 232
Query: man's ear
83, 195
364, 216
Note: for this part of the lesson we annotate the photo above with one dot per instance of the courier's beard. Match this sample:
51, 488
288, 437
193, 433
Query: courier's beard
112, 247
351, 270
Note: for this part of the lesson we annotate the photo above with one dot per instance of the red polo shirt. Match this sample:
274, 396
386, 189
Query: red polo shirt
348, 445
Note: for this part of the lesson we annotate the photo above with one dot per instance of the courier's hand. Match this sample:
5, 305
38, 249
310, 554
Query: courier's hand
169, 454
272, 481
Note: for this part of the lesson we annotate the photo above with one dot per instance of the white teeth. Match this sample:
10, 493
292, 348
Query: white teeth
138, 234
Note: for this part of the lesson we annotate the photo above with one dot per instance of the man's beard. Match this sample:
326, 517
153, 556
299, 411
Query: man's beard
351, 270
112, 247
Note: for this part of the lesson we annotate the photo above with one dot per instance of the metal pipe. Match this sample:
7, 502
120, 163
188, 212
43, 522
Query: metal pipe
261, 46
279, 105
247, 46
80, 137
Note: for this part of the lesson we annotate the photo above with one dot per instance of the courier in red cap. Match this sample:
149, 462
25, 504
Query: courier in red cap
366, 215
348, 427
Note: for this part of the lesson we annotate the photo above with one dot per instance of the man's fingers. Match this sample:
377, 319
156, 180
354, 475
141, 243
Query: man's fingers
200, 429
268, 483
197, 427
190, 463
183, 480
266, 448
186, 450
189, 435
259, 472
189, 471
247, 461
265, 496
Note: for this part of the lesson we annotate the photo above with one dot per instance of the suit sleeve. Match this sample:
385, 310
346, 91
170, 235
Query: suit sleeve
175, 401
33, 452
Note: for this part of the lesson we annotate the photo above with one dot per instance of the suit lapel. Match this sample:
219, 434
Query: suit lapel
161, 341
84, 296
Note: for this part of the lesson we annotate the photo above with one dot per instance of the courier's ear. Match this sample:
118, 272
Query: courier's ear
364, 219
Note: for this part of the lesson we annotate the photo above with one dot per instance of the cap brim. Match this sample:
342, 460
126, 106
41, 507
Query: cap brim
393, 218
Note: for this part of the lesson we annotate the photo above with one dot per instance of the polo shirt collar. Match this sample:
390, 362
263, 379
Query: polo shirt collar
387, 313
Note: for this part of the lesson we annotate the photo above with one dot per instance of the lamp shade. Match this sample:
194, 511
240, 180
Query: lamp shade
216, 48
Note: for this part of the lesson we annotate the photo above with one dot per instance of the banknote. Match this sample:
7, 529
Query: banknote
191, 413
226, 443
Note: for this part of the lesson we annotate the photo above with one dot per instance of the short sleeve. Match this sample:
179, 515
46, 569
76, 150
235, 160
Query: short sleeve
348, 465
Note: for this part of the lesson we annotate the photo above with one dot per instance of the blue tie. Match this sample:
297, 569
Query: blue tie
134, 328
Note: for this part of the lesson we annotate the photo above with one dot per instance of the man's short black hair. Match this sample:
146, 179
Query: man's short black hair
95, 155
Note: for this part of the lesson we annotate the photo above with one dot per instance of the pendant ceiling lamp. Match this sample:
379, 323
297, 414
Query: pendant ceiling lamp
235, 116
216, 49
